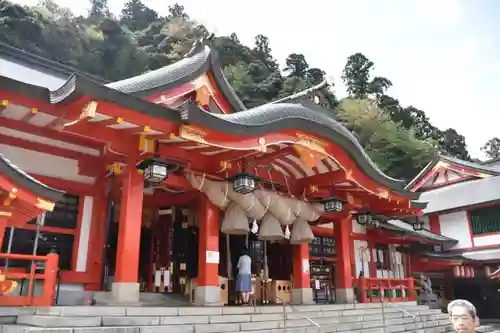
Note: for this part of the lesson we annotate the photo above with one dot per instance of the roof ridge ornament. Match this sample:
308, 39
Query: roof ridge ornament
199, 45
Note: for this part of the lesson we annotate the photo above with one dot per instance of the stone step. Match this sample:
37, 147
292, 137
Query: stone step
273, 320
180, 311
183, 324
166, 316
226, 329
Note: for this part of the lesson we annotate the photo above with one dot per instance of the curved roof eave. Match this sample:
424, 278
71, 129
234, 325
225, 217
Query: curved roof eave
223, 84
77, 86
200, 60
405, 228
167, 77
24, 180
283, 116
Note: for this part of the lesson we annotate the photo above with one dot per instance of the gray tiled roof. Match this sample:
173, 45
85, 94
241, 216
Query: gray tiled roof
406, 228
22, 179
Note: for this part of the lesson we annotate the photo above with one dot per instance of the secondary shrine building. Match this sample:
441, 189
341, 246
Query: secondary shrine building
152, 186
463, 205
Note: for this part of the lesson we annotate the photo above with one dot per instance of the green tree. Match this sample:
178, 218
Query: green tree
492, 148
136, 16
452, 143
356, 75
99, 8
399, 139
397, 151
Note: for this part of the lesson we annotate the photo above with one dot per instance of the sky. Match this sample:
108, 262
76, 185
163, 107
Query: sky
443, 56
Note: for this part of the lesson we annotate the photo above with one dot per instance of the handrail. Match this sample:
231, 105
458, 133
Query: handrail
401, 310
295, 310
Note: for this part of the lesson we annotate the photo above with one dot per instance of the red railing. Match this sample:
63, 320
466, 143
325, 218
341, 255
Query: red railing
49, 277
378, 289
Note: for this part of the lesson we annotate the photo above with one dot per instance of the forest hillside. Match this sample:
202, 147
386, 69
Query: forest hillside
400, 139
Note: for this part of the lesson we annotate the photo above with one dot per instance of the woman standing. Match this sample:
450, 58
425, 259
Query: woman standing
244, 277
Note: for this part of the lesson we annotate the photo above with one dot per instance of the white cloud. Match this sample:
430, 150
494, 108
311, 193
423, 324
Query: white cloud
435, 59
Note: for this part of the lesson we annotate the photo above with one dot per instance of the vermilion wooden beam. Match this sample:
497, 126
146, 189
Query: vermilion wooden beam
270, 157
177, 182
51, 134
119, 141
323, 179
48, 149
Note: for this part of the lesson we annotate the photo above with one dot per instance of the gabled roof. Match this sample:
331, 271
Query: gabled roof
203, 58
469, 169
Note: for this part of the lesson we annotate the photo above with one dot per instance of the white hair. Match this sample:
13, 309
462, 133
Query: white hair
462, 303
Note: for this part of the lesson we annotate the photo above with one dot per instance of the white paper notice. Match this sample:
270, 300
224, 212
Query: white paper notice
157, 278
212, 257
305, 265
166, 278
316, 285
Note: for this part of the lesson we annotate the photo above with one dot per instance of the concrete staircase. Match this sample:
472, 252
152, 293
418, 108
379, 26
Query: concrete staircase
366, 318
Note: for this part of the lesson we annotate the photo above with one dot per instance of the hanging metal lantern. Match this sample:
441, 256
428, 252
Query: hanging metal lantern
244, 183
363, 219
155, 170
334, 205
418, 225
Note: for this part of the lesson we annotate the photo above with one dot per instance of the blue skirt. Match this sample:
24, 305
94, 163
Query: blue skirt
244, 283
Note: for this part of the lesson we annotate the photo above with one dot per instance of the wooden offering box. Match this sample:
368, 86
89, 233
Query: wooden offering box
281, 291
262, 290
223, 286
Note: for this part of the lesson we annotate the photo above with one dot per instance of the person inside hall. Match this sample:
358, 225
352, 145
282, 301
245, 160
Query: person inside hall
463, 316
244, 277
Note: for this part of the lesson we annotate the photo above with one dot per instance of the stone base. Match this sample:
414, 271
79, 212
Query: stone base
302, 296
125, 292
207, 296
345, 296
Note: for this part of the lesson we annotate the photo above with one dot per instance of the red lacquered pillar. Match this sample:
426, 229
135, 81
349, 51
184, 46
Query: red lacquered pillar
301, 291
125, 287
207, 292
343, 270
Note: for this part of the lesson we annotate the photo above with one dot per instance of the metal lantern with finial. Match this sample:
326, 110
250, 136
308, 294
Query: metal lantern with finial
243, 182
418, 225
363, 218
334, 205
155, 170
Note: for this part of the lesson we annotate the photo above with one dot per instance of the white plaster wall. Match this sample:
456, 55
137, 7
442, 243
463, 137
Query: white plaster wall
453, 176
357, 228
397, 270
361, 249
326, 225
425, 220
456, 225
83, 244
34, 162
487, 240
440, 179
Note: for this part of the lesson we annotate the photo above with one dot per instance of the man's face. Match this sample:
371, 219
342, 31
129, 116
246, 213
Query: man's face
462, 321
